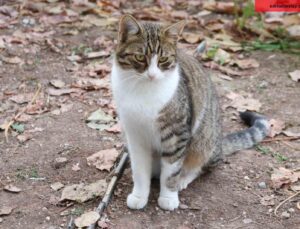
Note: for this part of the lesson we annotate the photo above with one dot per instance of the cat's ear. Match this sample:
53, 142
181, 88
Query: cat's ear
128, 26
175, 30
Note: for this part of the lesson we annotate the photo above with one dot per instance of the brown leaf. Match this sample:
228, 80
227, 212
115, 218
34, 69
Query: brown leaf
242, 104
295, 75
5, 210
267, 200
294, 31
104, 159
220, 7
290, 133
92, 55
12, 188
82, 192
276, 127
22, 98
114, 129
246, 63
57, 186
224, 41
92, 84
38, 107
63, 91
12, 60
8, 11
57, 83
24, 118
75, 167
226, 70
192, 38
87, 219
283, 176
57, 19
24, 137
179, 14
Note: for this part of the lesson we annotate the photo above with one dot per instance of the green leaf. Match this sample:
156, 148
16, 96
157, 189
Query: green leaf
18, 127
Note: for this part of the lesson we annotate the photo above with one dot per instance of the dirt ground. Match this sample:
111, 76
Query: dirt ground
229, 196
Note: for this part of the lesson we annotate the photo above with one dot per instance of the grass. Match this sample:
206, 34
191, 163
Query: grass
24, 174
267, 151
284, 45
77, 211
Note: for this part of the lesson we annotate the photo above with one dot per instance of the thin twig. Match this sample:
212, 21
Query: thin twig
281, 139
291, 146
279, 205
109, 191
11, 122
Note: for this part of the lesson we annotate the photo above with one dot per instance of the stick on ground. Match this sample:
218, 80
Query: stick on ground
110, 189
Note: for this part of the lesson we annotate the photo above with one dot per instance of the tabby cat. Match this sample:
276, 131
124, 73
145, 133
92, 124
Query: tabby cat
169, 111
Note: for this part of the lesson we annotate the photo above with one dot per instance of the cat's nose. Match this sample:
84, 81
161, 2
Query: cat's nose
151, 76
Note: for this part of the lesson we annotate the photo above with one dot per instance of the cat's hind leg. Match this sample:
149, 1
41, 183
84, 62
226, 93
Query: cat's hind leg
168, 198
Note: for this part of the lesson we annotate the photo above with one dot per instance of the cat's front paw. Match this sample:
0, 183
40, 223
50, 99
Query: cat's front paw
136, 202
168, 203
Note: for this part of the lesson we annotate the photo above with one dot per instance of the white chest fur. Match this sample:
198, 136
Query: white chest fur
139, 99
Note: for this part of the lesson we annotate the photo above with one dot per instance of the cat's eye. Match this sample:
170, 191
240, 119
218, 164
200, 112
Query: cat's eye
163, 59
139, 57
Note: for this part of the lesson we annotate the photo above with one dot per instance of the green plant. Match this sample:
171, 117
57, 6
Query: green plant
276, 155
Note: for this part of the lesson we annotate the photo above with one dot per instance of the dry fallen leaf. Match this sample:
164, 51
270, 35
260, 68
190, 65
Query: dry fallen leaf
63, 91
295, 75
290, 133
87, 219
82, 192
92, 55
104, 159
4, 210
246, 63
283, 176
12, 188
220, 7
222, 57
11, 60
57, 186
75, 167
22, 98
57, 83
226, 70
114, 129
294, 31
24, 137
276, 127
91, 84
192, 38
267, 200
241, 103
24, 118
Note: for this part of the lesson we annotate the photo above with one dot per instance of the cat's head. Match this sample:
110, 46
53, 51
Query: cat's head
147, 49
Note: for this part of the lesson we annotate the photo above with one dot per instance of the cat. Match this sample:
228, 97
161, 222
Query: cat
169, 111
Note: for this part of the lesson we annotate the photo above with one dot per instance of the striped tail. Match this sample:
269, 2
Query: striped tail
258, 130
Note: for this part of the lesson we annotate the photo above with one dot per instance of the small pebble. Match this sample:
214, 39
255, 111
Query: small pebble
291, 210
1, 220
285, 215
183, 206
246, 178
262, 185
48, 218
270, 210
247, 221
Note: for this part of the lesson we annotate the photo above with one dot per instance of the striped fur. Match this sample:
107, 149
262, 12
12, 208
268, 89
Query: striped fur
169, 110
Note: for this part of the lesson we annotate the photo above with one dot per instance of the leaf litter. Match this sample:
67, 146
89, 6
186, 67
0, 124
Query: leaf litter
83, 192
104, 159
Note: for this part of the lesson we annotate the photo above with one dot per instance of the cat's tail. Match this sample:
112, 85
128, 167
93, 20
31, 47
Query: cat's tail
258, 130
